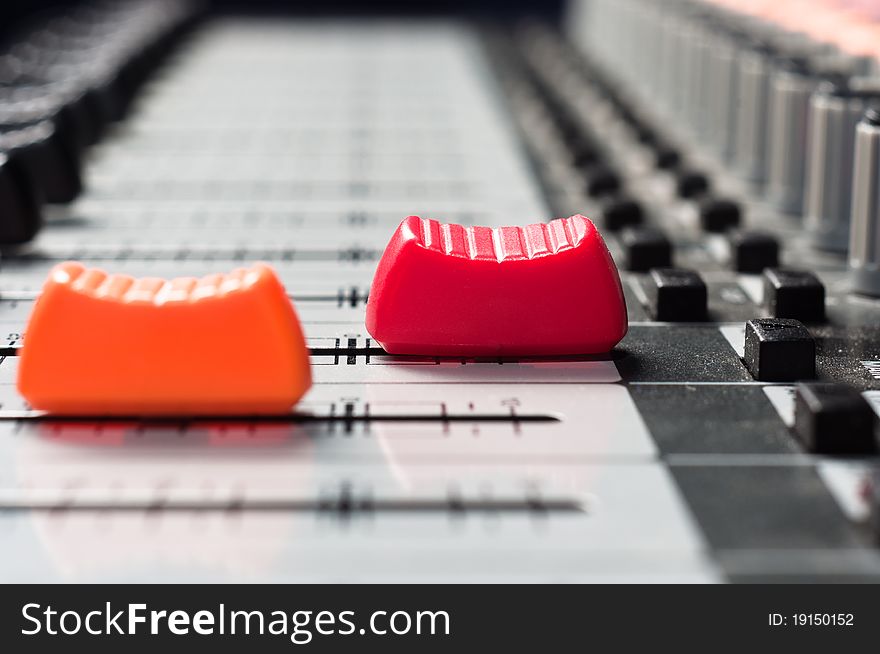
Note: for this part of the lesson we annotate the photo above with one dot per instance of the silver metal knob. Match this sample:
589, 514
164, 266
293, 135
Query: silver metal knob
834, 113
789, 105
751, 124
723, 98
864, 244
792, 85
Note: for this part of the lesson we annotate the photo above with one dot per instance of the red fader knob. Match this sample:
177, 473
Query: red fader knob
543, 289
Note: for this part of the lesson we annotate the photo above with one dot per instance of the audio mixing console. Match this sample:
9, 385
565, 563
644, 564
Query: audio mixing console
726, 152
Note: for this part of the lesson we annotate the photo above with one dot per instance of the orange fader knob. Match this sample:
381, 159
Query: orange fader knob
110, 344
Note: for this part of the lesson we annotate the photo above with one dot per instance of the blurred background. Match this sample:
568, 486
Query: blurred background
14, 14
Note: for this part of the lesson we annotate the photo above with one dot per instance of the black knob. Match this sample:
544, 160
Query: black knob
834, 419
87, 124
584, 151
106, 94
645, 135
29, 99
601, 180
20, 215
751, 252
797, 294
666, 158
53, 168
691, 184
26, 106
676, 295
645, 248
718, 215
619, 212
779, 349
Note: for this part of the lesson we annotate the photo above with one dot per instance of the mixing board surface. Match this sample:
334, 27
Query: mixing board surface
303, 143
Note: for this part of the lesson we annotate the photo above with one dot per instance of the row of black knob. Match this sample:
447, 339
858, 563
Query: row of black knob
602, 181
788, 293
675, 294
680, 295
586, 151
690, 183
62, 84
829, 418
645, 248
715, 215
779, 348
